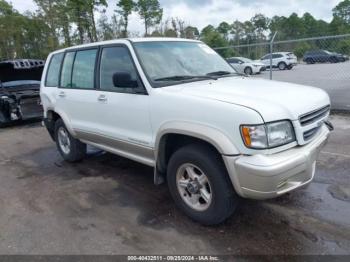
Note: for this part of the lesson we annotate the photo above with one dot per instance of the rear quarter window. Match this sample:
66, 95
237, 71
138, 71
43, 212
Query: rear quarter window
53, 72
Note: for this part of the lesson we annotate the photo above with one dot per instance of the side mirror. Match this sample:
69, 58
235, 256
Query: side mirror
123, 79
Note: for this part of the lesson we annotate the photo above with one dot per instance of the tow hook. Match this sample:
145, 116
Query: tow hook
329, 125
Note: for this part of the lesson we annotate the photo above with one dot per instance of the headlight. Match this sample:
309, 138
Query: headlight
268, 135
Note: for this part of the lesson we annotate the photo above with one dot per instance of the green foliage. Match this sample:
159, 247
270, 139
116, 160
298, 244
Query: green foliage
150, 11
22, 36
213, 38
125, 8
342, 11
191, 32
62, 23
343, 47
224, 29
301, 48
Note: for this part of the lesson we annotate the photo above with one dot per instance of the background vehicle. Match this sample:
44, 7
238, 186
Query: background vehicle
323, 56
280, 60
246, 66
179, 107
19, 90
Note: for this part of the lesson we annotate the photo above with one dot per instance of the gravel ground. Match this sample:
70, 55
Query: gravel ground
109, 205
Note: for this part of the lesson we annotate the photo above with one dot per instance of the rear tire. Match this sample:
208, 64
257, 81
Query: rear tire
208, 203
71, 149
310, 61
282, 66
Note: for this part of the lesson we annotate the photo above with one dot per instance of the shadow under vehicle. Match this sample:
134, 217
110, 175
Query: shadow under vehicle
19, 90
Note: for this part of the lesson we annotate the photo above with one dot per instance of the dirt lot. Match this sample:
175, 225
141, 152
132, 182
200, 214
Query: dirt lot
333, 78
109, 205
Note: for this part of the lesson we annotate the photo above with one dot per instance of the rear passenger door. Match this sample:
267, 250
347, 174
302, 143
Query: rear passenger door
276, 59
124, 120
76, 96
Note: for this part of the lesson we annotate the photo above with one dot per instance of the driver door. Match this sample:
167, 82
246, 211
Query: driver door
124, 118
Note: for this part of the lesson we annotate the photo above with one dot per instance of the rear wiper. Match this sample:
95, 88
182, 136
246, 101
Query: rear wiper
184, 77
219, 73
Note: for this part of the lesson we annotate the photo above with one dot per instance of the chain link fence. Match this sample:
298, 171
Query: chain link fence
321, 62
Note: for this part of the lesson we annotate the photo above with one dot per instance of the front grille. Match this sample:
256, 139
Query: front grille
310, 133
313, 116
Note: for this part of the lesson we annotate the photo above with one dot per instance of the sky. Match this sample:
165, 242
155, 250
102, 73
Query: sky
200, 13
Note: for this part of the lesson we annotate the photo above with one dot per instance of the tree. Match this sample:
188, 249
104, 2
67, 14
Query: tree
63, 22
49, 12
237, 29
92, 6
261, 24
338, 26
151, 13
191, 32
224, 29
78, 15
125, 8
301, 48
81, 13
342, 11
104, 29
213, 38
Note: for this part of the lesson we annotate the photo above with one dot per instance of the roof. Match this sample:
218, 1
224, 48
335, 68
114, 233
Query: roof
133, 40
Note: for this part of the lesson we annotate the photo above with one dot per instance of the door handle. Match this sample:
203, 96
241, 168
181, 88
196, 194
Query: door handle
62, 94
102, 98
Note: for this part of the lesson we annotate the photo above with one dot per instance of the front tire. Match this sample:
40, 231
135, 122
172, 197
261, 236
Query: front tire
200, 186
71, 149
334, 60
248, 71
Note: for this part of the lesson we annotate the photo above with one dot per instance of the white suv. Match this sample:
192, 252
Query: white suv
280, 60
177, 106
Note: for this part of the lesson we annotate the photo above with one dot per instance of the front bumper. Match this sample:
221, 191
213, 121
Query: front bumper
269, 176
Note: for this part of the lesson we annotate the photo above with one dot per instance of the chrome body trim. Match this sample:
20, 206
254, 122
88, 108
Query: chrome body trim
136, 152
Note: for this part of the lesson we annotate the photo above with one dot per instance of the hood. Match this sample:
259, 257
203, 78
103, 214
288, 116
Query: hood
273, 100
16, 71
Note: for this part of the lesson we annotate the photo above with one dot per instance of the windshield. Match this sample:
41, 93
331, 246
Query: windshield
175, 62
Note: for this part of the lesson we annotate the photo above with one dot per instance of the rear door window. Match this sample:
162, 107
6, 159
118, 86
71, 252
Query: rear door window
66, 75
53, 72
275, 56
84, 69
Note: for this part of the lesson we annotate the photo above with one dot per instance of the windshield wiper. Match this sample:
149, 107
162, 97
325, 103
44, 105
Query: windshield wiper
184, 77
219, 73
